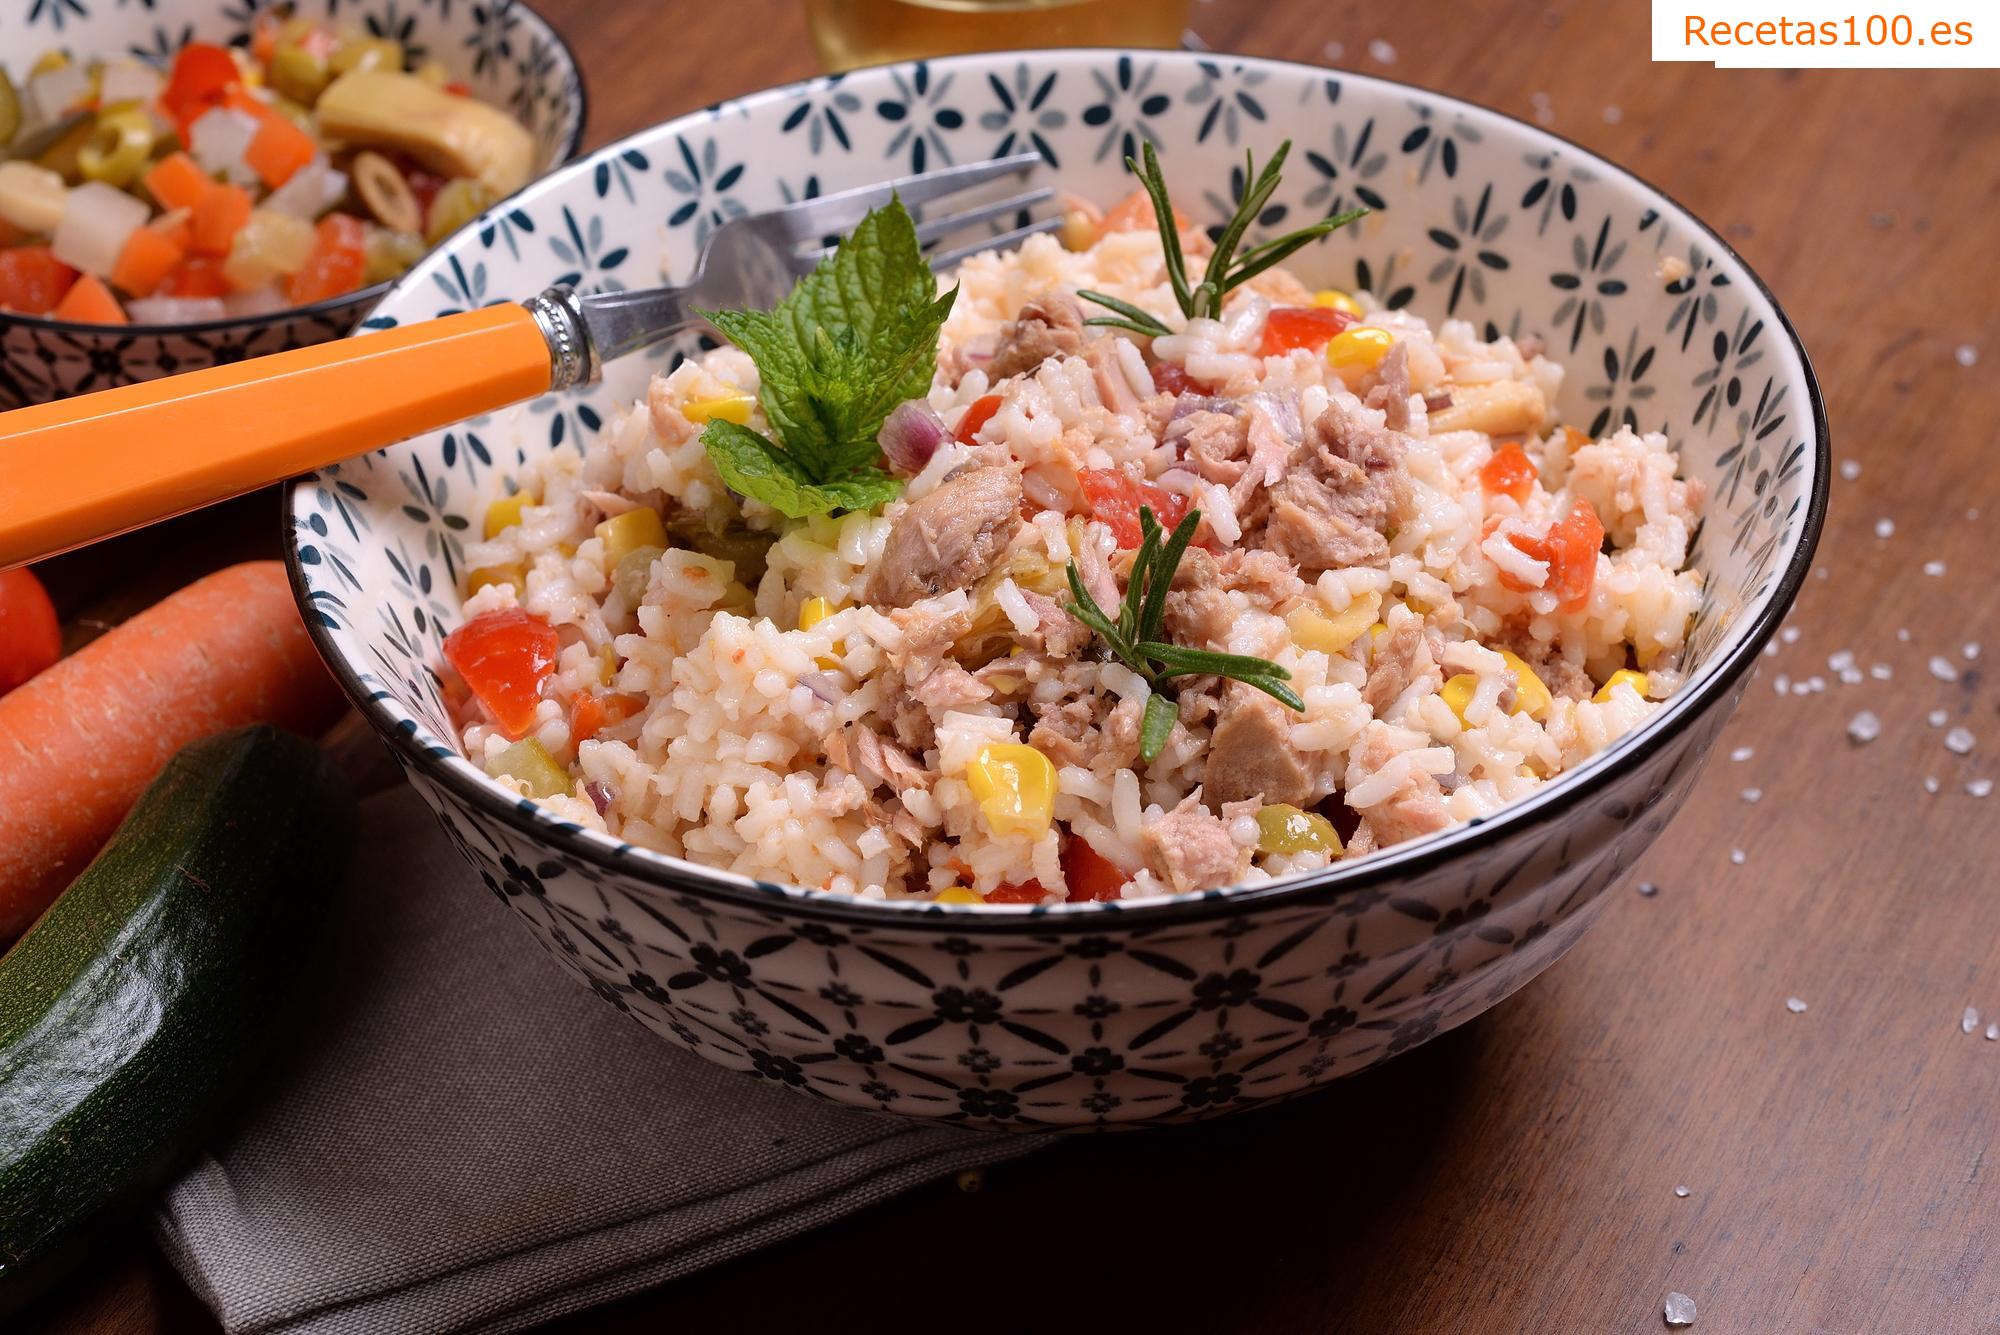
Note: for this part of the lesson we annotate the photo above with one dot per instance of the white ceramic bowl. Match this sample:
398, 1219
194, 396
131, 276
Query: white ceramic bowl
1103, 1013
506, 53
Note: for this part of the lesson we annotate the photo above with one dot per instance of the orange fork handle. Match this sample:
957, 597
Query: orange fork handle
84, 468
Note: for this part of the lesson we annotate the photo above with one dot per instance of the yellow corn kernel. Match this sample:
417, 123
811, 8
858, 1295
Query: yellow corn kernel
813, 611
956, 894
730, 408
1359, 349
607, 665
1283, 828
1314, 629
530, 762
1335, 299
1622, 677
486, 575
506, 512
1015, 786
626, 533
1376, 632
1533, 698
1457, 692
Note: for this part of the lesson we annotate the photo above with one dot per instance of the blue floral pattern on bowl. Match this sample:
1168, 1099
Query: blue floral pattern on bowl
505, 52
1096, 1014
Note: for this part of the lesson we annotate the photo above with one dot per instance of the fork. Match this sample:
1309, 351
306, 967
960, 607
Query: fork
80, 469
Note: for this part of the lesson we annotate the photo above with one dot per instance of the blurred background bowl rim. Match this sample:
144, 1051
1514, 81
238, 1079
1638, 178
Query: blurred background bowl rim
663, 871
374, 293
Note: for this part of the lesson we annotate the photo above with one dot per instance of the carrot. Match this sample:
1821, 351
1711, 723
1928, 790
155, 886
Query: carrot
144, 261
219, 217
278, 149
176, 182
89, 301
84, 738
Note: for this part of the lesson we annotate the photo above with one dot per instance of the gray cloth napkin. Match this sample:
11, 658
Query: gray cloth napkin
455, 1135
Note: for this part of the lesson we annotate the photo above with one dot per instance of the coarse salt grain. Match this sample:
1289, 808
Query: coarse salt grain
1903, 634
1966, 354
1679, 1310
1648, 889
1781, 683
1381, 52
1612, 115
1753, 795
1971, 650
1931, 784
1851, 677
1864, 727
1884, 527
1850, 469
1795, 1005
1333, 50
1960, 741
1942, 669
1970, 1020
1815, 683
1980, 787
1738, 856
1936, 718
1881, 672
1680, 1191
1790, 635
1934, 568
1742, 753
1993, 1031
1842, 661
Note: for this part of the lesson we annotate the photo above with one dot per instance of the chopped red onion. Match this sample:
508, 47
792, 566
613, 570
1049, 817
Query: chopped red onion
1188, 404
822, 687
911, 435
599, 795
1283, 410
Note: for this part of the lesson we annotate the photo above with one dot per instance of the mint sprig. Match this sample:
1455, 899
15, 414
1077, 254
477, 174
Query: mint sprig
854, 338
1135, 636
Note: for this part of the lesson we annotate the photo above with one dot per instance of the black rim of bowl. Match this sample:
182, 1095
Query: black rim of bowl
1390, 866
362, 298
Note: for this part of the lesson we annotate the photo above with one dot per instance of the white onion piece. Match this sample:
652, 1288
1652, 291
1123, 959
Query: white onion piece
220, 139
911, 435
264, 300
96, 222
176, 310
127, 81
52, 93
311, 191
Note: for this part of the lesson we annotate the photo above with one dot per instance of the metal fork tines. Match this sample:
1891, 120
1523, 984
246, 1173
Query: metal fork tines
751, 262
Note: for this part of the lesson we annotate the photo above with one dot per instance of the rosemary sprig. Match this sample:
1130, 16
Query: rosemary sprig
1225, 268
1135, 636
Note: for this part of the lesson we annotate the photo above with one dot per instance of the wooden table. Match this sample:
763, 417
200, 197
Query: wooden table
1521, 1174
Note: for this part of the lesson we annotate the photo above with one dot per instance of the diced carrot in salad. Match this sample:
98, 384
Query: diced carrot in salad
177, 182
1509, 472
149, 255
195, 276
337, 261
89, 301
278, 149
504, 657
219, 217
1570, 548
1006, 892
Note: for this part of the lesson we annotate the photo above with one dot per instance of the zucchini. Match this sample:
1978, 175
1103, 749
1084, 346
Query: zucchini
133, 1008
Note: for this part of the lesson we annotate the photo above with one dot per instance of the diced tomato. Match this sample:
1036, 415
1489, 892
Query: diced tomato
424, 185
459, 88
177, 182
977, 415
1170, 379
201, 79
219, 217
1510, 472
591, 712
335, 264
1115, 498
1289, 327
144, 262
278, 150
30, 637
505, 656
1570, 547
1135, 213
32, 279
89, 301
1088, 873
195, 276
1008, 893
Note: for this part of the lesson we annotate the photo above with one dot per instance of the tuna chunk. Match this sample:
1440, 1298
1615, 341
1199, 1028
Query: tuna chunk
1190, 849
1050, 325
1060, 634
1345, 487
1198, 611
949, 539
1416, 807
1394, 666
1250, 753
1215, 443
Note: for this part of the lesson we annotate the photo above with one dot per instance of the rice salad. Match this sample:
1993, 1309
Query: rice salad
1465, 598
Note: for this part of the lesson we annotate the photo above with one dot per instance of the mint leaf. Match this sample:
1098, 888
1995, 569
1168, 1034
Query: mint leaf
754, 466
855, 337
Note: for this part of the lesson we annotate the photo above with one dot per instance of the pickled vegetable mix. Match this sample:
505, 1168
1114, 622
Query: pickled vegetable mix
232, 182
